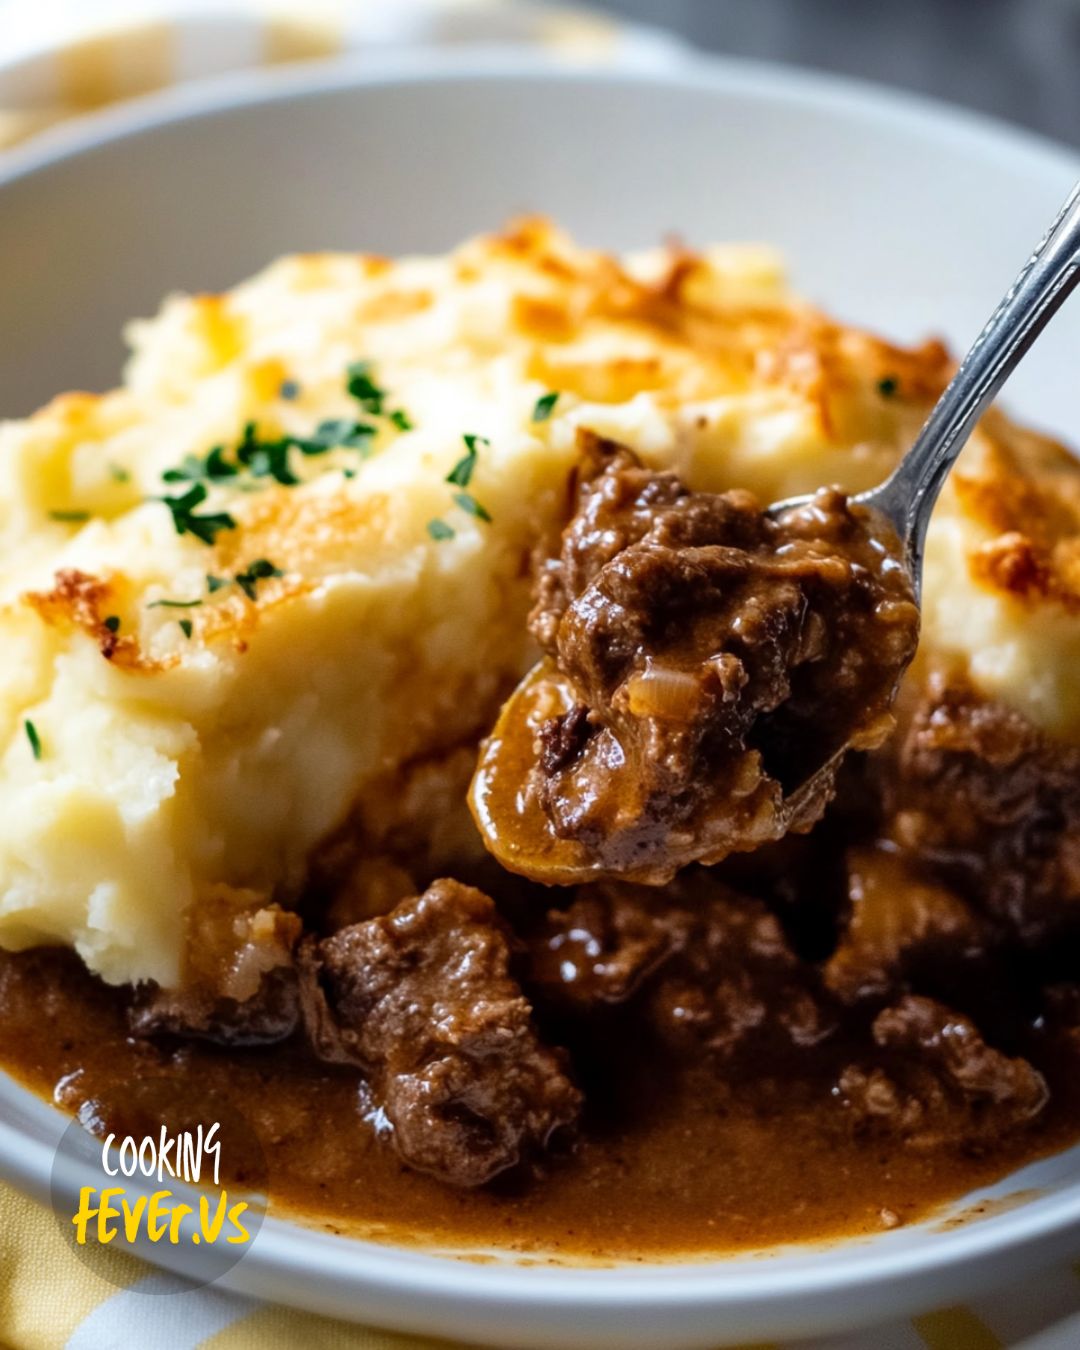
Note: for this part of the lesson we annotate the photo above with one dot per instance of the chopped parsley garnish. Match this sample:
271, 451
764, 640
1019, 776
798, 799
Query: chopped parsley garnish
249, 579
190, 470
468, 503
438, 529
119, 474
888, 386
337, 431
266, 459
207, 527
213, 465
363, 388
173, 604
461, 474
185, 627
545, 405
112, 623
70, 517
257, 456
33, 737
217, 466
372, 397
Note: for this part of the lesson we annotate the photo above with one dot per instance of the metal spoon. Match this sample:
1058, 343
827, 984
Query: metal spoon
905, 499
908, 495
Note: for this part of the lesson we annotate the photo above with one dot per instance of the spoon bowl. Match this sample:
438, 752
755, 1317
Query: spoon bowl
504, 797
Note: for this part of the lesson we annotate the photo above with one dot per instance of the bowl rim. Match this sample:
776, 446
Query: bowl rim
1028, 1233
495, 63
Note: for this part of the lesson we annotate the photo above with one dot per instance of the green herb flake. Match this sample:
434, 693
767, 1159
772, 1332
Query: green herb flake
112, 623
439, 530
461, 474
33, 737
119, 474
216, 583
545, 406
192, 469
249, 579
401, 419
468, 503
185, 627
266, 459
289, 389
271, 460
178, 604
363, 388
70, 517
257, 456
337, 432
889, 386
185, 521
217, 466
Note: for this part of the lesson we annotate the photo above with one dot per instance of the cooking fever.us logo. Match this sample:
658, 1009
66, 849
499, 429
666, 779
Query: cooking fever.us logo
145, 1170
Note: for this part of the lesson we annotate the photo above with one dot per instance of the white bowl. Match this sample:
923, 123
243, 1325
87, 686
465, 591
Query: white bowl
896, 213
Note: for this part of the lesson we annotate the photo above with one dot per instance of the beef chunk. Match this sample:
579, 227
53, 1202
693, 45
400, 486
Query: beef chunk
704, 659
422, 1001
902, 926
994, 804
604, 946
241, 989
938, 1082
707, 970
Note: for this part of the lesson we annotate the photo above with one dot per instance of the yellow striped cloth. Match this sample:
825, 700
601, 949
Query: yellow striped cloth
48, 1298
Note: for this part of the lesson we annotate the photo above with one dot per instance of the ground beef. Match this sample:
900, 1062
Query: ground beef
242, 989
981, 795
707, 970
712, 658
935, 1082
422, 1001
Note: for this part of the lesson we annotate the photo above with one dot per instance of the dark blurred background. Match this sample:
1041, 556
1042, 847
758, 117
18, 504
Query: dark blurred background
1018, 59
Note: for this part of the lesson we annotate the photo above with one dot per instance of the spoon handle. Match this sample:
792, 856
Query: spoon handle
1046, 279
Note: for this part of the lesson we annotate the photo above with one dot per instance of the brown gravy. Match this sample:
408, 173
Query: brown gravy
699, 1167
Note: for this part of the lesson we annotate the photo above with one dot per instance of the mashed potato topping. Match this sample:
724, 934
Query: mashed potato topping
288, 562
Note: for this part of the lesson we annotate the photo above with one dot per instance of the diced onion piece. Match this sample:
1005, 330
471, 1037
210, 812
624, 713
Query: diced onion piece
664, 692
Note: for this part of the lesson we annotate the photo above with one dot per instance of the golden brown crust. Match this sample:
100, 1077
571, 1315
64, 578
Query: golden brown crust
81, 601
1024, 491
703, 342
680, 336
